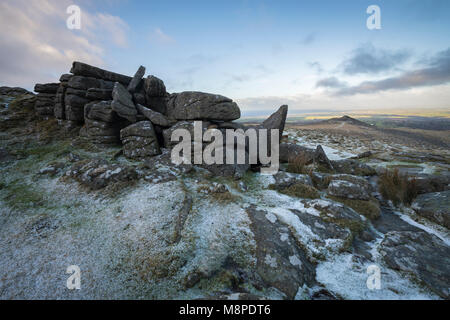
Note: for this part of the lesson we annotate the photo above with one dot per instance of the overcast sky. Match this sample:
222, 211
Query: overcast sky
312, 55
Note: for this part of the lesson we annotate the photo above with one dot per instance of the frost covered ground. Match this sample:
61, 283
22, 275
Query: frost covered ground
172, 235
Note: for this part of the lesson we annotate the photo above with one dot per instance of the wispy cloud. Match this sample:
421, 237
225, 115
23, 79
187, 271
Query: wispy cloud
115, 26
161, 37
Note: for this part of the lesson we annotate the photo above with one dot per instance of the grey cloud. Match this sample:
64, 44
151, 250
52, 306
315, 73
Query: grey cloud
435, 73
331, 82
368, 59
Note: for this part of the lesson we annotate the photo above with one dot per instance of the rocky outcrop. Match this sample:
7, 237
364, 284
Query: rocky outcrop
202, 106
139, 140
423, 256
434, 206
123, 103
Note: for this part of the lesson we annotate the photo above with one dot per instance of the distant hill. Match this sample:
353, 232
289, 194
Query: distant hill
347, 120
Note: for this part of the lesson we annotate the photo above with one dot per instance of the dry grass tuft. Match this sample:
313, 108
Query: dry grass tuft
298, 164
301, 190
397, 187
368, 208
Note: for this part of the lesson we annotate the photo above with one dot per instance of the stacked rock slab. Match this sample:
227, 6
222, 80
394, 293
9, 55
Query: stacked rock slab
88, 84
76, 95
123, 103
60, 105
45, 101
102, 125
192, 105
139, 140
85, 70
155, 94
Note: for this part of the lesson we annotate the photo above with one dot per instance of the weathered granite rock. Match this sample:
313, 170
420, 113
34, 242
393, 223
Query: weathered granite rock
434, 206
45, 103
290, 151
46, 88
137, 79
65, 77
60, 104
347, 189
83, 69
420, 254
154, 87
123, 103
139, 140
321, 158
284, 179
432, 183
74, 110
85, 83
98, 173
191, 105
236, 169
13, 91
102, 125
98, 94
354, 167
139, 98
228, 125
280, 262
100, 111
277, 120
155, 117
188, 125
76, 92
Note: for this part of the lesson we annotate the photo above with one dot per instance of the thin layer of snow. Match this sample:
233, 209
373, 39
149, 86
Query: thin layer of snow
428, 227
347, 277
